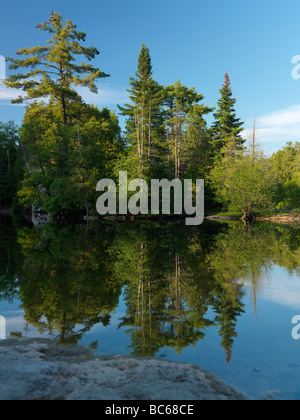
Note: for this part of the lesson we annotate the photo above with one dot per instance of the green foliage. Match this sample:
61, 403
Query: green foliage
10, 262
286, 163
227, 128
245, 185
11, 163
144, 63
144, 122
197, 152
68, 146
177, 282
183, 107
64, 164
53, 69
67, 280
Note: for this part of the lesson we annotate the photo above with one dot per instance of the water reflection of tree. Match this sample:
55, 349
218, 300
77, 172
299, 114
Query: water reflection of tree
177, 274
170, 287
242, 256
177, 281
67, 285
10, 261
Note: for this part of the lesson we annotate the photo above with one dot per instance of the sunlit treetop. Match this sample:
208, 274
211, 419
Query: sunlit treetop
54, 70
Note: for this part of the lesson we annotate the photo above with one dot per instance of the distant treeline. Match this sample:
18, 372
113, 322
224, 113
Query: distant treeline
65, 146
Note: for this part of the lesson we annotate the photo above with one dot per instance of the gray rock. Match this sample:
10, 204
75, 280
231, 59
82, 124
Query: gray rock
41, 370
39, 218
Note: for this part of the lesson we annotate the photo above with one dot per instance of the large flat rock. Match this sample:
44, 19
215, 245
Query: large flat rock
38, 369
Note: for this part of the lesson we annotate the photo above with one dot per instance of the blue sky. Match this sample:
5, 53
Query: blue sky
196, 41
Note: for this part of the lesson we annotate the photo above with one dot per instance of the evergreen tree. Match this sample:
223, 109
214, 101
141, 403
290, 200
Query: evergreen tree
94, 144
197, 150
144, 63
227, 128
67, 143
144, 124
52, 69
11, 164
53, 73
179, 101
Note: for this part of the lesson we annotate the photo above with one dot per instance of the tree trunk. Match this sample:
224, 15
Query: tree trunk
8, 160
247, 217
64, 110
87, 208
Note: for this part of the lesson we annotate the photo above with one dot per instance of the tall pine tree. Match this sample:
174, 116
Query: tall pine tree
227, 127
179, 101
52, 69
144, 123
68, 145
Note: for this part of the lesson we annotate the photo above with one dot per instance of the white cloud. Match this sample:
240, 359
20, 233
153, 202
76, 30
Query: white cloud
282, 118
108, 95
278, 285
7, 94
286, 293
275, 129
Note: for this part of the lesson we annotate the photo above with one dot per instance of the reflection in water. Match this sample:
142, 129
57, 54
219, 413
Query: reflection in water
177, 282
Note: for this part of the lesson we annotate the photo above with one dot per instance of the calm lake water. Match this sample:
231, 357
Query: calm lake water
221, 296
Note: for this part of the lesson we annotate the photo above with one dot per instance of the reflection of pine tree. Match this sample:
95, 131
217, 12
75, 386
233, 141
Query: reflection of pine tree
165, 306
67, 283
228, 313
10, 262
143, 294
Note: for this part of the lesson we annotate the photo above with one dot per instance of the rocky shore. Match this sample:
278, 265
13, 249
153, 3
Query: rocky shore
38, 369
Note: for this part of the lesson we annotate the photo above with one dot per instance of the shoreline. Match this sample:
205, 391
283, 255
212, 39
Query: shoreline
284, 218
287, 218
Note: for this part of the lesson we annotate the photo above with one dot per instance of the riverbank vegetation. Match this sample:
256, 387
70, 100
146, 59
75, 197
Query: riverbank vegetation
64, 146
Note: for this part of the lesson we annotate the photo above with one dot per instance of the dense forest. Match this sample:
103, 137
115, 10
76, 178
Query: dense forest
65, 146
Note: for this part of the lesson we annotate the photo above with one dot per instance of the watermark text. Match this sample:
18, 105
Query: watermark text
2, 68
296, 329
188, 198
2, 328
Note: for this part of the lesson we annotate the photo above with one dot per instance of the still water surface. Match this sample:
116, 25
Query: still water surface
221, 296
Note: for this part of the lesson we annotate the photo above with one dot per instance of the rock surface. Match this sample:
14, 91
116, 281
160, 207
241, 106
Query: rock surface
40, 370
